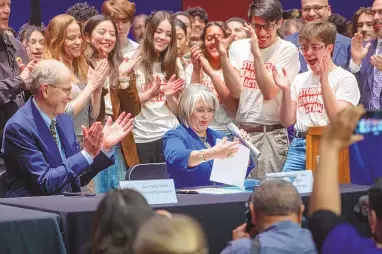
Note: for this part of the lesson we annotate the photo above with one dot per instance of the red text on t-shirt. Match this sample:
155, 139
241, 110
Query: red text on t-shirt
308, 98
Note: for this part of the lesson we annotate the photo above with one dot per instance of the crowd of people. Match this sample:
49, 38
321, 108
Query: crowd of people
81, 103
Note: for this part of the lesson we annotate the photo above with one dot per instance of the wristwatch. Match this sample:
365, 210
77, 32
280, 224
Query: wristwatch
201, 155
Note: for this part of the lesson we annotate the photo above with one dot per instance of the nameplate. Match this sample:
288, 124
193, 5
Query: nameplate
302, 180
156, 192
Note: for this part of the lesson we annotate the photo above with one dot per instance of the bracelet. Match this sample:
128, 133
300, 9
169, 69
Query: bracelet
201, 155
124, 79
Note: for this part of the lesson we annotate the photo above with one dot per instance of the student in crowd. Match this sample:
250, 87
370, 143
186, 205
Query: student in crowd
102, 38
190, 149
316, 96
330, 232
178, 234
248, 76
35, 41
235, 25
158, 81
366, 62
314, 10
182, 43
82, 12
276, 210
206, 70
363, 22
199, 19
64, 42
186, 19
122, 13
12, 78
341, 23
139, 27
117, 221
290, 26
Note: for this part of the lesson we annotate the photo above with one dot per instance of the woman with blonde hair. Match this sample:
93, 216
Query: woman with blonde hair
64, 42
177, 234
158, 81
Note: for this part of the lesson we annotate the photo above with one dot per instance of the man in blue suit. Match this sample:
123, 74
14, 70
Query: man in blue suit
314, 10
41, 153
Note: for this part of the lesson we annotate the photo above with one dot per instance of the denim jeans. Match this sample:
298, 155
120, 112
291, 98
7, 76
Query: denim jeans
110, 177
296, 157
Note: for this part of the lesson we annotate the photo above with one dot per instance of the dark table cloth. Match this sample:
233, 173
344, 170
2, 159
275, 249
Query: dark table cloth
24, 231
218, 214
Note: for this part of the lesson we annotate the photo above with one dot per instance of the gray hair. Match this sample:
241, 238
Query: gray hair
47, 72
190, 96
276, 198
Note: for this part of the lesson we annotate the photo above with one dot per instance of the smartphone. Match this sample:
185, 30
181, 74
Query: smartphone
370, 123
248, 216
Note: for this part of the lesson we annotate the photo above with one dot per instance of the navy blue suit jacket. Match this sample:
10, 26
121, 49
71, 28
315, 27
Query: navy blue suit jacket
341, 53
366, 74
33, 162
178, 145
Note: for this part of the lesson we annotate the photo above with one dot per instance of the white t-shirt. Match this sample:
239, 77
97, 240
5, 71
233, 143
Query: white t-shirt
253, 109
306, 92
155, 118
221, 118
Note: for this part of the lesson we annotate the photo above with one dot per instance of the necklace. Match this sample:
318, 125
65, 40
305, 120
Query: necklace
204, 139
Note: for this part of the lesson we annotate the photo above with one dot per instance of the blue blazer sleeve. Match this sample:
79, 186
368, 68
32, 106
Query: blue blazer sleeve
176, 152
99, 163
36, 171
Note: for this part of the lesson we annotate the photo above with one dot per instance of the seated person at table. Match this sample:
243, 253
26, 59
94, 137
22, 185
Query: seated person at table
276, 210
178, 234
316, 96
330, 232
41, 153
190, 149
117, 221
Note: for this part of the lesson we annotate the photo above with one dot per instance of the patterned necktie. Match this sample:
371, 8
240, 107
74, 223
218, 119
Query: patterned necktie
52, 129
377, 87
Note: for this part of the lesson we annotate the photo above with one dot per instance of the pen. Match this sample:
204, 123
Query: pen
186, 192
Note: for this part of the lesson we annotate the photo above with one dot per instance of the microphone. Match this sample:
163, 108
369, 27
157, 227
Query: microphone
236, 133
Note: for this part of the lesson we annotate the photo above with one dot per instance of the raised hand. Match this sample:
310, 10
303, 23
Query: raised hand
340, 133
255, 49
93, 138
281, 81
97, 77
224, 149
127, 66
239, 232
324, 66
376, 61
113, 133
196, 53
358, 51
26, 70
222, 45
205, 65
173, 86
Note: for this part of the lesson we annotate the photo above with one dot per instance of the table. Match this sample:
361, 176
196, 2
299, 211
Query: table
29, 231
218, 214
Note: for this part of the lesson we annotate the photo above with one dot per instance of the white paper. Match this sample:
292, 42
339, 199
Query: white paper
231, 170
218, 191
302, 180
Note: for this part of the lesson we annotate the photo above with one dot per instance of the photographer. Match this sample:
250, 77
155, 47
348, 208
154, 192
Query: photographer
276, 210
330, 232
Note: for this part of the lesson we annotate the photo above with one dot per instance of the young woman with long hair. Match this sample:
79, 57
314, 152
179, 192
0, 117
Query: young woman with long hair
64, 42
206, 70
102, 38
158, 74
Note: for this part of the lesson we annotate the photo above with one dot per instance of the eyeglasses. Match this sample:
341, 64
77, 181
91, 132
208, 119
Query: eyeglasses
373, 12
64, 90
202, 110
316, 8
267, 27
314, 48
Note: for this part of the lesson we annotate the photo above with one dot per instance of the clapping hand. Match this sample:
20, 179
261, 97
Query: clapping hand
340, 133
113, 133
255, 49
196, 53
358, 51
324, 66
222, 45
173, 86
281, 81
93, 138
224, 149
97, 77
376, 61
26, 70
127, 66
